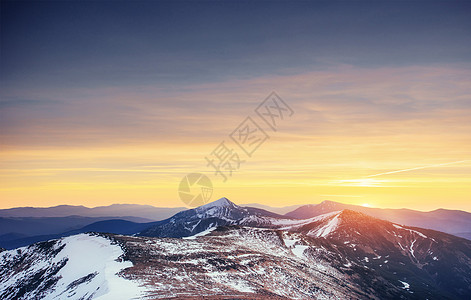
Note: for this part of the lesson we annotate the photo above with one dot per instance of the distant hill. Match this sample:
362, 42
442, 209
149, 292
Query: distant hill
455, 222
147, 212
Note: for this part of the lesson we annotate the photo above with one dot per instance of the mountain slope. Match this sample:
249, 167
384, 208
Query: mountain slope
77, 267
427, 260
359, 257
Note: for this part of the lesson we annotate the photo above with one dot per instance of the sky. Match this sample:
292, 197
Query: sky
108, 102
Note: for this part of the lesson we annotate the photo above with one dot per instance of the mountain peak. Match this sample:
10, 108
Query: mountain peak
223, 202
328, 202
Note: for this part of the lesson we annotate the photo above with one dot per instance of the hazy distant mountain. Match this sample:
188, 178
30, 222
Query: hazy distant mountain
115, 210
341, 255
278, 210
450, 221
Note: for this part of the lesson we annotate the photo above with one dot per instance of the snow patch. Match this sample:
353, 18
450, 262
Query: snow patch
297, 223
202, 233
412, 231
103, 261
330, 227
289, 243
298, 250
406, 285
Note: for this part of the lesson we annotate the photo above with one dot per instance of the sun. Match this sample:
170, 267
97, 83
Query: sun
366, 205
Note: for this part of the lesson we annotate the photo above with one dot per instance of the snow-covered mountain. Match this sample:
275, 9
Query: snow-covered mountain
221, 212
235, 252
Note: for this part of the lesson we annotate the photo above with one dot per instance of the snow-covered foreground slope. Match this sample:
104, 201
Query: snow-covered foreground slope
78, 267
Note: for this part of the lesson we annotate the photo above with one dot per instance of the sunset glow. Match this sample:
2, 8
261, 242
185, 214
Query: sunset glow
393, 134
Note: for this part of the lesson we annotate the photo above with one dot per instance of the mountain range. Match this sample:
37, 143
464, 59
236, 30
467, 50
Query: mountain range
145, 212
222, 250
26, 225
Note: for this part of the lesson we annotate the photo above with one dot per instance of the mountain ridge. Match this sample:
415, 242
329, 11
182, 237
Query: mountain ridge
249, 216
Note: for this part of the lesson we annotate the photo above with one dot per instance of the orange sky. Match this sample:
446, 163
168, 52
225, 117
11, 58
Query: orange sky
133, 145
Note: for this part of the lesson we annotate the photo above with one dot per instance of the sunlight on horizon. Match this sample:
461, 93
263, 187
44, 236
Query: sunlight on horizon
369, 143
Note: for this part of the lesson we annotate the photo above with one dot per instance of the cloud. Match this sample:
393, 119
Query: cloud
344, 101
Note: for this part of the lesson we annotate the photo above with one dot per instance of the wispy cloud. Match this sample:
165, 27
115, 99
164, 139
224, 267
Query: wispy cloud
419, 168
